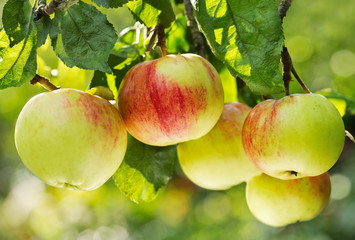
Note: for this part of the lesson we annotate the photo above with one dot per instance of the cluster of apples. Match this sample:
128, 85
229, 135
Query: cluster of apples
281, 148
71, 139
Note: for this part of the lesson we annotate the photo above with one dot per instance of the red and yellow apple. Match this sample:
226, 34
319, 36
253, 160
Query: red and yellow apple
296, 136
277, 202
172, 99
217, 160
71, 139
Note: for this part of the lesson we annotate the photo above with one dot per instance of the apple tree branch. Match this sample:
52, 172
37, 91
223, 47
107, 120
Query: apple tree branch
196, 34
52, 7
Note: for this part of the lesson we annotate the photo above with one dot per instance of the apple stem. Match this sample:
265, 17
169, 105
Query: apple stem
348, 134
44, 82
161, 38
299, 80
287, 69
287, 65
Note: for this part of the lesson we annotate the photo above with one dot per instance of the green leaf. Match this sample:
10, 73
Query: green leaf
43, 28
85, 38
144, 170
152, 12
122, 59
247, 36
18, 63
110, 3
99, 79
16, 19
176, 41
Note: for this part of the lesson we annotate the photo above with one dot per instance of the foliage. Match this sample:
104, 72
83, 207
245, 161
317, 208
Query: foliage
145, 169
247, 37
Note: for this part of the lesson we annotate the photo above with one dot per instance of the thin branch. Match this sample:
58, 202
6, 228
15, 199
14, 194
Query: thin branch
196, 34
152, 40
284, 6
44, 82
34, 4
299, 80
348, 134
52, 7
286, 69
161, 38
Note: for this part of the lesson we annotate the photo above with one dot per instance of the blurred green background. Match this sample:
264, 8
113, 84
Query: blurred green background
320, 38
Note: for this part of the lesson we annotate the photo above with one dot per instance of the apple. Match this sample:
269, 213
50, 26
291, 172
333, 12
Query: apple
71, 139
277, 202
296, 136
217, 160
172, 99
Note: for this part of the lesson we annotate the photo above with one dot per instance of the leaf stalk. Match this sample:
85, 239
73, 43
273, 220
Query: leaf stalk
44, 82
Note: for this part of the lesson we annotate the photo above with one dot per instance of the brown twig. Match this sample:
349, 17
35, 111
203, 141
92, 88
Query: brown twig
287, 69
283, 7
161, 38
196, 34
44, 82
287, 65
299, 80
50, 8
152, 40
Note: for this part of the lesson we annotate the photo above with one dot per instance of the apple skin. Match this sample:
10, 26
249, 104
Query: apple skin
296, 136
217, 160
172, 99
71, 139
277, 202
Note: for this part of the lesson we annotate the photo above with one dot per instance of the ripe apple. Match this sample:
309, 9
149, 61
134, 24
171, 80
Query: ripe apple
277, 202
71, 139
172, 99
296, 136
217, 160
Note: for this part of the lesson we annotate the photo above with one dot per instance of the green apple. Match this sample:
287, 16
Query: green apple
277, 202
71, 139
293, 137
172, 99
217, 160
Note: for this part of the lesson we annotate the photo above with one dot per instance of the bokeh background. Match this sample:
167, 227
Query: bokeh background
320, 38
